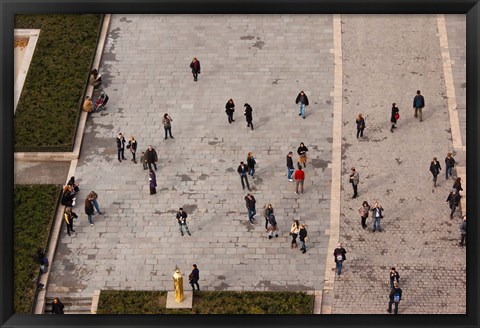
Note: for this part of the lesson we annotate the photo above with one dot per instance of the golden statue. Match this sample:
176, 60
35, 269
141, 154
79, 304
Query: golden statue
178, 286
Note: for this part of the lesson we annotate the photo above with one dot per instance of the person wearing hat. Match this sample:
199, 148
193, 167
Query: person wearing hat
339, 256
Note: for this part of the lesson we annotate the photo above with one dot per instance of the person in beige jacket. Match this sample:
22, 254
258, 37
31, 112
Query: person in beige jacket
364, 211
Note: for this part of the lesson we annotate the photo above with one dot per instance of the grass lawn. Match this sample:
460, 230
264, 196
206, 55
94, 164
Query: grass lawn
153, 302
34, 213
50, 104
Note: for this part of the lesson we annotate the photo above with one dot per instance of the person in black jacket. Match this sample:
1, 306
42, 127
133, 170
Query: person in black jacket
243, 171
248, 116
195, 66
453, 200
182, 221
251, 164
67, 197
89, 210
457, 185
302, 234
120, 147
360, 125
395, 298
339, 256
418, 104
290, 168
394, 277
250, 202
132, 145
152, 157
69, 216
194, 277
394, 117
302, 152
303, 100
229, 109
57, 306
435, 169
463, 231
449, 164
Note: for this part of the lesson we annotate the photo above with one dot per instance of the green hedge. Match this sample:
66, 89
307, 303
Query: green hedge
34, 213
49, 108
153, 302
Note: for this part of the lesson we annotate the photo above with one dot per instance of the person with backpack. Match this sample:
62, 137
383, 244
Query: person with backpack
377, 215
57, 306
394, 277
453, 201
394, 117
194, 277
250, 203
463, 231
182, 221
435, 169
395, 298
449, 164
273, 226
360, 125
229, 109
339, 255
195, 66
418, 104
303, 100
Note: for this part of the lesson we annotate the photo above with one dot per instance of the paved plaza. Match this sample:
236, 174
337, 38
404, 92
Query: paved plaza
265, 60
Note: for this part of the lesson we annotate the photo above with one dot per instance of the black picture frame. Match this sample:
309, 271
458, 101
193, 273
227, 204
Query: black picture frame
10, 8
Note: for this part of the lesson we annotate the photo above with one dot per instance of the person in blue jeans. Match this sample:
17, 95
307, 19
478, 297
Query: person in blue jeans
339, 256
303, 101
89, 210
449, 165
250, 202
93, 197
290, 167
377, 216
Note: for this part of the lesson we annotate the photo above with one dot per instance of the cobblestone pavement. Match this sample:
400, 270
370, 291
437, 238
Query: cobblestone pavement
381, 66
262, 60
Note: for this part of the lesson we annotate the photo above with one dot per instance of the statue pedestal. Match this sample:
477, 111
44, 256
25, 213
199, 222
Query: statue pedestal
186, 304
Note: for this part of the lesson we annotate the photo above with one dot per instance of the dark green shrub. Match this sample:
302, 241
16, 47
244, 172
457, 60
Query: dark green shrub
34, 213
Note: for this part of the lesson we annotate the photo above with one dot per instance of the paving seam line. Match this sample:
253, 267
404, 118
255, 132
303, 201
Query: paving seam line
452, 104
73, 157
75, 154
334, 230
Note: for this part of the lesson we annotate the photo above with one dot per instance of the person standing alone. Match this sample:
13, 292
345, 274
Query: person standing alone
248, 116
360, 125
339, 255
394, 117
89, 210
463, 231
229, 109
302, 99
167, 125
354, 180
195, 66
182, 221
194, 277
418, 104
57, 306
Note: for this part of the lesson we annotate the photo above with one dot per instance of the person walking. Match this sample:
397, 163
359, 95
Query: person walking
302, 99
360, 125
302, 234
294, 231
194, 277
143, 160
132, 145
290, 168
394, 277
268, 209
354, 180
273, 226
152, 182
89, 210
463, 231
248, 116
364, 210
152, 157
93, 197
377, 215
449, 165
250, 203
182, 221
418, 104
120, 147
302, 153
395, 298
453, 200
299, 176
243, 171
435, 169
229, 109
57, 306
167, 125
457, 185
251, 164
195, 66
69, 216
339, 255
394, 117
